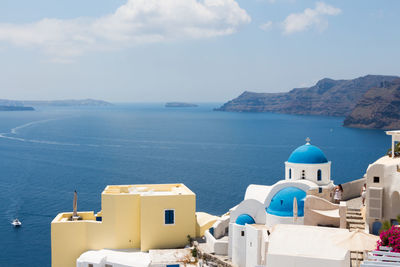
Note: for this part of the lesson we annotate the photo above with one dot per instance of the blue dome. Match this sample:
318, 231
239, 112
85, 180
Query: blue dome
282, 203
307, 154
245, 218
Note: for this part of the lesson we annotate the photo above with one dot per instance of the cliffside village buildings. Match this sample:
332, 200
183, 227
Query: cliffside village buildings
293, 222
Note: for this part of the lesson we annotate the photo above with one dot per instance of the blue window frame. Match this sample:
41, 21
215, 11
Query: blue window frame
319, 175
169, 216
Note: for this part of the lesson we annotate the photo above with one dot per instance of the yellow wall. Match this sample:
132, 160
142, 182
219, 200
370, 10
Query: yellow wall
154, 233
68, 239
129, 221
121, 219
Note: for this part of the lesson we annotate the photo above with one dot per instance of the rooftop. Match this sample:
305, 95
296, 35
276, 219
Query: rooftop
397, 132
148, 189
386, 160
307, 154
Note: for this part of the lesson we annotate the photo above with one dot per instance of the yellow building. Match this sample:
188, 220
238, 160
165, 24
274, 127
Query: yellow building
132, 216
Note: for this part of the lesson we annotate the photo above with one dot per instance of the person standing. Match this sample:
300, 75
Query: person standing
338, 193
364, 193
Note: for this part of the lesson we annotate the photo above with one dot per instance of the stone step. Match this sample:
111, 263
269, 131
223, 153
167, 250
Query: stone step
354, 209
350, 221
353, 212
353, 215
354, 225
349, 216
354, 218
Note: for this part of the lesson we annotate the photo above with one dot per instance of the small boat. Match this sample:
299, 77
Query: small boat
16, 223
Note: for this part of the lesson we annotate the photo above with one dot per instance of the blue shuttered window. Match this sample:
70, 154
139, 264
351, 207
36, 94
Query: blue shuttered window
169, 216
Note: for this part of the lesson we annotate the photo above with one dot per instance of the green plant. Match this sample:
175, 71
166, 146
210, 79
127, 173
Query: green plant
190, 240
194, 252
385, 226
396, 150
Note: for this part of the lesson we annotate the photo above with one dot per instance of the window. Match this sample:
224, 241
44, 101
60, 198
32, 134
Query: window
376, 179
90, 265
303, 174
319, 175
169, 216
290, 173
242, 233
211, 230
109, 265
320, 190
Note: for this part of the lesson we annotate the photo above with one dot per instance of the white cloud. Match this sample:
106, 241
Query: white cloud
298, 22
135, 22
266, 26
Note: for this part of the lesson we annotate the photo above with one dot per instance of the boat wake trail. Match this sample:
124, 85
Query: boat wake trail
26, 125
13, 135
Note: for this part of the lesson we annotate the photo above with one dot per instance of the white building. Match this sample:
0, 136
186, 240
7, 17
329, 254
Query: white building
307, 171
383, 188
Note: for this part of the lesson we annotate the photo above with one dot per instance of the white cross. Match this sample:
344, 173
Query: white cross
308, 140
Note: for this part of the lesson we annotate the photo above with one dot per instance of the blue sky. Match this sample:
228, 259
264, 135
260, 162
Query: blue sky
188, 50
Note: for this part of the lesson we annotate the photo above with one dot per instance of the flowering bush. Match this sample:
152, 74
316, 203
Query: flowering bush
390, 238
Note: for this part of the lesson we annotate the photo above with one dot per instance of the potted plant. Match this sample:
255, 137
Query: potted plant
390, 239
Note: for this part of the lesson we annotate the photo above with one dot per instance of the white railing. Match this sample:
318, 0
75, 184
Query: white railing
381, 259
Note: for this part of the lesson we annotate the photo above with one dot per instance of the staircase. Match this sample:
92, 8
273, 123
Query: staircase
355, 221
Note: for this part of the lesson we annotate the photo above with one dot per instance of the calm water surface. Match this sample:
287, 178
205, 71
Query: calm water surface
47, 154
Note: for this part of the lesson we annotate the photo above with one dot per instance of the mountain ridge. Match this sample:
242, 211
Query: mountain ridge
379, 108
327, 97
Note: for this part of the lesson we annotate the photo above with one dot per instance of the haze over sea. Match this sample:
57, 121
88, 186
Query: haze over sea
47, 154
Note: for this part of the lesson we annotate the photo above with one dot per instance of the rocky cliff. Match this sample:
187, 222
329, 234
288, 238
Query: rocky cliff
379, 108
328, 97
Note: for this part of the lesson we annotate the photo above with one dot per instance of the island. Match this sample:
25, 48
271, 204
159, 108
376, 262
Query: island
180, 105
16, 108
371, 101
72, 102
327, 97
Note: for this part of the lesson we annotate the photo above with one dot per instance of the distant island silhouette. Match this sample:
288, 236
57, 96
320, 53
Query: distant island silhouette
179, 105
11, 105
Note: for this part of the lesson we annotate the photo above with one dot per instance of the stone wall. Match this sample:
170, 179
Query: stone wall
353, 189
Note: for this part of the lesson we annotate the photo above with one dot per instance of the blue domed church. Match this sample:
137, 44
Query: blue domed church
307, 172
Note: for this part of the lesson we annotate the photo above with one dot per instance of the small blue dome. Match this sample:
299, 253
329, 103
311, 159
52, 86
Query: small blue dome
245, 219
307, 154
282, 203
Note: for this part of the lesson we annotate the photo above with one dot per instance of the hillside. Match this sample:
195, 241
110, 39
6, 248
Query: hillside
327, 97
379, 108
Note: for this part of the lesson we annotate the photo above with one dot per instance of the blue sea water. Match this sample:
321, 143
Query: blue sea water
45, 155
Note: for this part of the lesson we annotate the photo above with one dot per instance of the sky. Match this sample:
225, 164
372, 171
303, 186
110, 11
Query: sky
189, 50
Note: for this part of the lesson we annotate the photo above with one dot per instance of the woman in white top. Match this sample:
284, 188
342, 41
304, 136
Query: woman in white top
338, 194
364, 193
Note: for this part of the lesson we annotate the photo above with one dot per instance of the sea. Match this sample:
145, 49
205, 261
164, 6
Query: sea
47, 154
